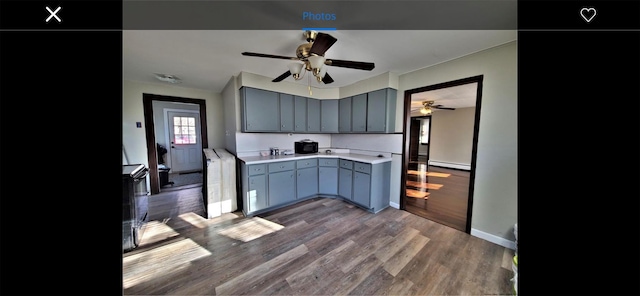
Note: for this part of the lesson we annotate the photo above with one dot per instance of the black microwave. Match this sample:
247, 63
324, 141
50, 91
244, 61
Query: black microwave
306, 147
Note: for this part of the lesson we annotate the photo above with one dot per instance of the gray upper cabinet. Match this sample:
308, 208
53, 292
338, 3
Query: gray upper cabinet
286, 113
313, 115
344, 115
329, 116
381, 111
268, 111
300, 114
359, 113
261, 110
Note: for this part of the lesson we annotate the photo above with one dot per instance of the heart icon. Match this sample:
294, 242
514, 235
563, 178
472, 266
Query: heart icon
588, 13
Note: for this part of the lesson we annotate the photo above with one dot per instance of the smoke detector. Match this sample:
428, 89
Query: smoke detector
168, 78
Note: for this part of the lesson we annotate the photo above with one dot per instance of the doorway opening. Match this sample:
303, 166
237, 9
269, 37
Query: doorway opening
438, 167
158, 173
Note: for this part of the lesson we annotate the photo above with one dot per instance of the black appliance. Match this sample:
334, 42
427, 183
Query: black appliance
135, 204
306, 147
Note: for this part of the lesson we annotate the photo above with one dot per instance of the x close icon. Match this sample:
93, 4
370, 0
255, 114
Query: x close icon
53, 14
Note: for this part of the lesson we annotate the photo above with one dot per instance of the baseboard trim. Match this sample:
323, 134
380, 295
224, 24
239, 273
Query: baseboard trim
394, 205
494, 239
459, 166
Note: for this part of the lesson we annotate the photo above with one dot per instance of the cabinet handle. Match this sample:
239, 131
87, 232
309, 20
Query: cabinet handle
283, 125
282, 167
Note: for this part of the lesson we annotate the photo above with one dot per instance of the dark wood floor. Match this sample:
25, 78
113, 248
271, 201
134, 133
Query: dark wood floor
446, 197
320, 246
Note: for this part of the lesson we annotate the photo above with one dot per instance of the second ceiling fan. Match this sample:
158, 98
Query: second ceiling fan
311, 55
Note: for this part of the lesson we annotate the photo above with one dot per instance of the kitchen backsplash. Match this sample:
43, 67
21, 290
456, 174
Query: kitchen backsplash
251, 144
373, 143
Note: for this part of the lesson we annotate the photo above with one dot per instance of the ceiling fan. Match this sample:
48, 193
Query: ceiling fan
428, 105
311, 55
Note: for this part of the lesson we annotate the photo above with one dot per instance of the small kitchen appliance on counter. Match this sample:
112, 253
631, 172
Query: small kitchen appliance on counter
306, 147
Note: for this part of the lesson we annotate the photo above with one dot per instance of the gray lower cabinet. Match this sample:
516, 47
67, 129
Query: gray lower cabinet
371, 185
345, 182
307, 182
254, 185
257, 193
268, 186
282, 183
328, 176
361, 188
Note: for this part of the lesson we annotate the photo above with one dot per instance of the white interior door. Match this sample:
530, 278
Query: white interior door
184, 140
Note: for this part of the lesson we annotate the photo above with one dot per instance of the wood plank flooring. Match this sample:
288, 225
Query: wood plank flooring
438, 194
320, 246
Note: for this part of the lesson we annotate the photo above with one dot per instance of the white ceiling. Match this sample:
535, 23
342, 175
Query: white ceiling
460, 96
208, 59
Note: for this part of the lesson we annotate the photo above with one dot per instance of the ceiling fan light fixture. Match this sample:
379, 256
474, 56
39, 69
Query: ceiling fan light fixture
168, 78
425, 111
316, 62
295, 69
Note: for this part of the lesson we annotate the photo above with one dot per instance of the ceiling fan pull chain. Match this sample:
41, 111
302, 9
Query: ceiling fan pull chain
309, 85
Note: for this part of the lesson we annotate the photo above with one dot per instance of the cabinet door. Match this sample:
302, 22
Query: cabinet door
260, 110
281, 188
329, 116
300, 117
359, 113
344, 115
257, 194
361, 188
313, 115
307, 182
345, 179
328, 180
377, 111
286, 113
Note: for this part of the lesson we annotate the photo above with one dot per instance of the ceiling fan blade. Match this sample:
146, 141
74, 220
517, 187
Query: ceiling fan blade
282, 77
350, 64
327, 79
322, 43
262, 55
442, 108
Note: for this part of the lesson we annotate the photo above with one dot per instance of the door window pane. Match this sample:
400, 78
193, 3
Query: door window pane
184, 130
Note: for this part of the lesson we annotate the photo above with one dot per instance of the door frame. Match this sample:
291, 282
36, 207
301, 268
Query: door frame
420, 118
476, 127
152, 153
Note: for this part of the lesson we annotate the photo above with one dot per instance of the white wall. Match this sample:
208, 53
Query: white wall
159, 117
381, 81
495, 198
231, 97
262, 82
134, 139
453, 131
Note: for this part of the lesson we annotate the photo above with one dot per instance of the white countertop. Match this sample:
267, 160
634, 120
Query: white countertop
349, 156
